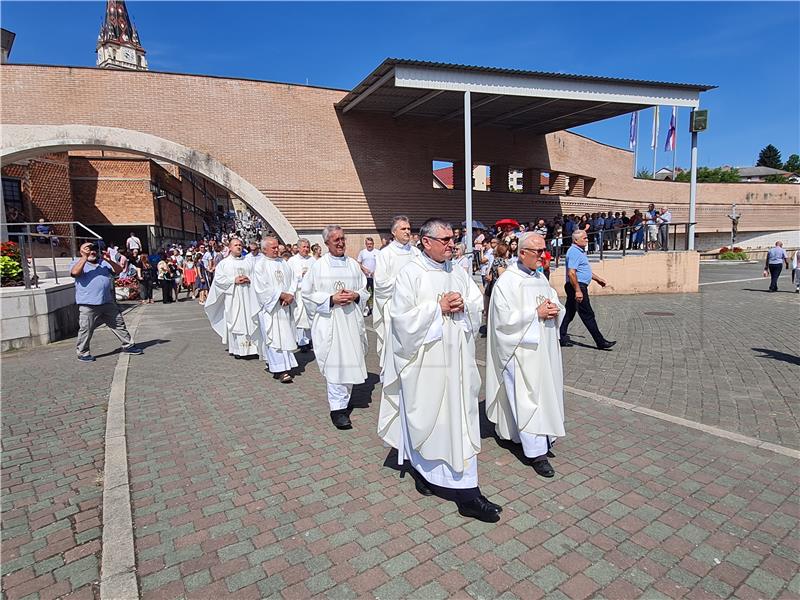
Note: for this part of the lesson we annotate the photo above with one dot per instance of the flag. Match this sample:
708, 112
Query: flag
634, 130
672, 133
654, 139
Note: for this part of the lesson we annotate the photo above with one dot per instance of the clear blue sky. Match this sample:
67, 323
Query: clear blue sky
749, 50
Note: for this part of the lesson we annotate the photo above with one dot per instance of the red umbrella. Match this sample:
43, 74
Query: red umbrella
504, 222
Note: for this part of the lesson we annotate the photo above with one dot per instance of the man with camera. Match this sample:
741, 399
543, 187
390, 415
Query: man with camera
94, 295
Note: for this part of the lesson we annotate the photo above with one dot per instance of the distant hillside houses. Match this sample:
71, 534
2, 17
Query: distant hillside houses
746, 174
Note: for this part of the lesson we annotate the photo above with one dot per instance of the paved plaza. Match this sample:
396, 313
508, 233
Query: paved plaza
240, 487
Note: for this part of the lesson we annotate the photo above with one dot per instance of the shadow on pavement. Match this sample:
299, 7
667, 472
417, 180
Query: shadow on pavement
777, 355
362, 393
142, 345
768, 292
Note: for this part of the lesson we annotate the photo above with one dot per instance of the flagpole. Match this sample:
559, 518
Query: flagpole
635, 141
655, 138
674, 141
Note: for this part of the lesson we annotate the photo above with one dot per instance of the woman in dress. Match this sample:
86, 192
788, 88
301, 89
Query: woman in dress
190, 275
499, 265
203, 279
145, 277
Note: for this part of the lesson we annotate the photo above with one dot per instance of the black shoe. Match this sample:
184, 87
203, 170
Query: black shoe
421, 484
543, 468
606, 345
340, 419
495, 507
550, 454
478, 509
305, 348
566, 342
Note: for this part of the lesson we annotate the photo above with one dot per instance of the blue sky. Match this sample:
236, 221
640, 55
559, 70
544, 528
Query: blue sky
749, 50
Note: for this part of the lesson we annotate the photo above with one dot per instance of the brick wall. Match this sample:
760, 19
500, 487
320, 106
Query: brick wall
45, 187
111, 191
317, 165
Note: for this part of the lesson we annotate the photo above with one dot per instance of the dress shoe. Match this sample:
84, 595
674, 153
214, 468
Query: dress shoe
478, 509
305, 348
341, 420
495, 507
421, 485
606, 345
543, 468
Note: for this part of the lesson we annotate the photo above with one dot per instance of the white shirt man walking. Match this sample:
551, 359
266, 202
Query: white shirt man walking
431, 379
133, 243
301, 264
335, 293
367, 258
232, 305
275, 284
524, 378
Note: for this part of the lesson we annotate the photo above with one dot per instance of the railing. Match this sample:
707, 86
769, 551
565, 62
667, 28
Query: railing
630, 237
25, 237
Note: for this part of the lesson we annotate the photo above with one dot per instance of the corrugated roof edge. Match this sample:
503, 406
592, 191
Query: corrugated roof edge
391, 62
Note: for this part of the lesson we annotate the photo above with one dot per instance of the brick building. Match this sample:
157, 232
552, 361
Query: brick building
114, 193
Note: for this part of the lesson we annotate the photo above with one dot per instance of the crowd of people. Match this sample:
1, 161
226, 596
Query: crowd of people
271, 300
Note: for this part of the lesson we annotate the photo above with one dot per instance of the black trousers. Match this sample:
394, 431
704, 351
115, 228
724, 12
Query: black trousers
166, 290
457, 495
584, 310
774, 273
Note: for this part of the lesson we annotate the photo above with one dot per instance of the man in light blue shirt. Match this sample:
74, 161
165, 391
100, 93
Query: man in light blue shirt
94, 295
776, 258
579, 276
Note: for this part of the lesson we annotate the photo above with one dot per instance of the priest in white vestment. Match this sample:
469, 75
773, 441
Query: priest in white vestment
430, 377
524, 377
391, 259
275, 285
301, 265
232, 306
335, 294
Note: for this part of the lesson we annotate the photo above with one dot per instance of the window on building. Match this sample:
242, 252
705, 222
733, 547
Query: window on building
442, 175
12, 199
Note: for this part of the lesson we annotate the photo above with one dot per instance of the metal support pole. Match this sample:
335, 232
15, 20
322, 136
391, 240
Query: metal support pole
72, 241
468, 169
23, 258
53, 256
692, 194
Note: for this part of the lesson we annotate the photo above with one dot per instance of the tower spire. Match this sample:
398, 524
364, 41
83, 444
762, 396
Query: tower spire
118, 45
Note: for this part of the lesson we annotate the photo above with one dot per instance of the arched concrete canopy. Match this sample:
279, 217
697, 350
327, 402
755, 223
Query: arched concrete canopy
27, 141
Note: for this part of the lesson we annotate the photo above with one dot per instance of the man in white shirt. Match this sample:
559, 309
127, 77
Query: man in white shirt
133, 243
664, 219
366, 258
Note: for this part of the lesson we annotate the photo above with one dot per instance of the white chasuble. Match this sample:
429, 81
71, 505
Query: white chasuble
232, 308
271, 278
388, 264
300, 267
429, 406
340, 338
524, 377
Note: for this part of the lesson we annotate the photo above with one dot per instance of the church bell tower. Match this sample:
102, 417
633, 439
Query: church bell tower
118, 45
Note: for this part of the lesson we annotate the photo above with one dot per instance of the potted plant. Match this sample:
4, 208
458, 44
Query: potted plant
126, 288
10, 265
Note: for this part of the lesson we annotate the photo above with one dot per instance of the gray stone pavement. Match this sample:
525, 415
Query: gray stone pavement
241, 488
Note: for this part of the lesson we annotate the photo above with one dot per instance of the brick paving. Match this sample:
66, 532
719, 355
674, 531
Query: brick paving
241, 487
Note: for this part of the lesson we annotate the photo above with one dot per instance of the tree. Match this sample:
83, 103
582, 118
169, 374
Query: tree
707, 175
770, 156
644, 174
792, 164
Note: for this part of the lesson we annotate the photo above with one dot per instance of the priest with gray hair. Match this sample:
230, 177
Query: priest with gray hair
429, 411
335, 293
524, 377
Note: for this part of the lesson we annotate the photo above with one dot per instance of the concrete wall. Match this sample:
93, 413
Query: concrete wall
37, 316
652, 273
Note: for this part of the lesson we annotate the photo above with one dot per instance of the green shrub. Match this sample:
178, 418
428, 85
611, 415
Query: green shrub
729, 255
10, 269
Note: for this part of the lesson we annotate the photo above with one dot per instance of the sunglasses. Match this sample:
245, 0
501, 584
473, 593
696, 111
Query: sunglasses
444, 240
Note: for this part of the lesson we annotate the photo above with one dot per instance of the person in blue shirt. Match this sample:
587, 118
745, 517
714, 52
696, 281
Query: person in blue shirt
579, 276
94, 295
776, 258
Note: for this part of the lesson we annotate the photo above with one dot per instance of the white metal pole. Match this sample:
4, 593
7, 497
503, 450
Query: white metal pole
655, 138
636, 144
468, 169
693, 192
675, 143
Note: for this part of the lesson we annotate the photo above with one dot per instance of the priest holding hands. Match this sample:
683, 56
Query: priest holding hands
429, 411
524, 377
335, 294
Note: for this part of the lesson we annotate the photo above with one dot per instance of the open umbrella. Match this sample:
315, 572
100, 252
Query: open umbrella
505, 222
475, 225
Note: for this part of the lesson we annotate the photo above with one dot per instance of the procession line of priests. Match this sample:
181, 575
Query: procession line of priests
232, 305
524, 378
301, 264
275, 284
335, 294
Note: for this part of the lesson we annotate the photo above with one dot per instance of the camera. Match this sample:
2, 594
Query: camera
94, 248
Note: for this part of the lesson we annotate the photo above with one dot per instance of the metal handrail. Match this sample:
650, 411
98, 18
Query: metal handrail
29, 236
625, 235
